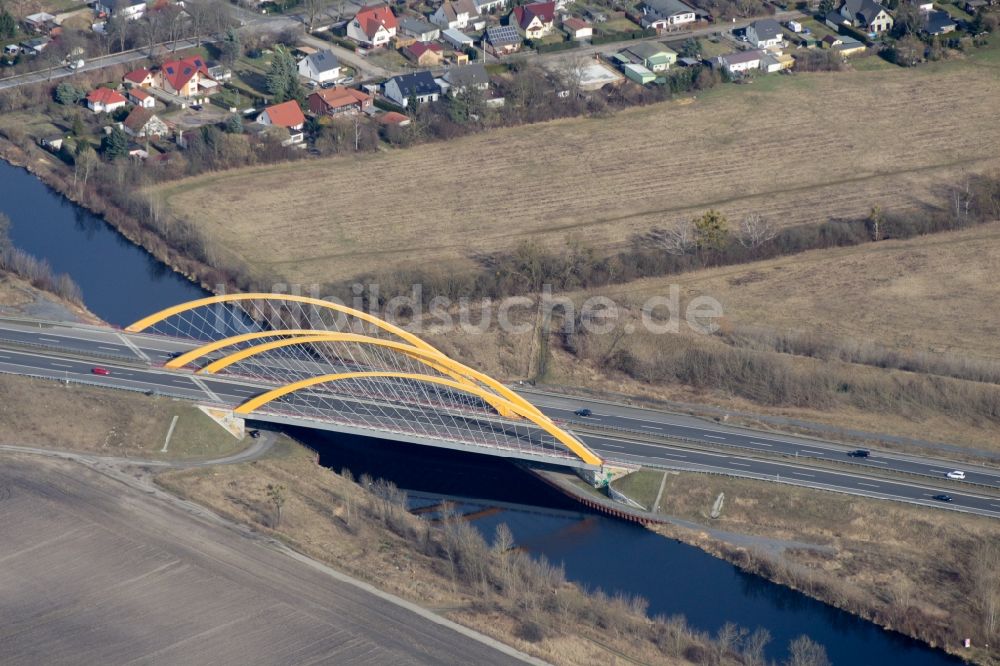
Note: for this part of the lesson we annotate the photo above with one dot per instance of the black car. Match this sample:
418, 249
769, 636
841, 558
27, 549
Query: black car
942, 498
195, 107
255, 433
860, 453
583, 411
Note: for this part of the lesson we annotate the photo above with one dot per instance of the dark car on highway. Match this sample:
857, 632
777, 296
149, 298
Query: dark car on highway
860, 453
942, 498
583, 411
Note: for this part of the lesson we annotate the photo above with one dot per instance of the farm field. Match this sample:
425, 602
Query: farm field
798, 150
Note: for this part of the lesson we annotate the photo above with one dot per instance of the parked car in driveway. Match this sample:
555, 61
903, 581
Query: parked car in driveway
957, 474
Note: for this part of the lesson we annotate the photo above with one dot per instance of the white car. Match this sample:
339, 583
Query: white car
956, 475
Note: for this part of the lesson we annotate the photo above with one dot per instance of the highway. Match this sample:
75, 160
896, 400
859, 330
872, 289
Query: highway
617, 432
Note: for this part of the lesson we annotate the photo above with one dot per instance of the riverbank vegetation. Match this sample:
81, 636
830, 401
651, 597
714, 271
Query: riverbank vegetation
927, 573
36, 272
364, 528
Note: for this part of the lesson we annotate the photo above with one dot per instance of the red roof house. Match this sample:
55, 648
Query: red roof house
535, 20
287, 114
105, 100
141, 77
373, 26
332, 101
425, 54
184, 77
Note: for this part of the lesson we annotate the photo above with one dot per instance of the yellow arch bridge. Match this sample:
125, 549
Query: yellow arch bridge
306, 361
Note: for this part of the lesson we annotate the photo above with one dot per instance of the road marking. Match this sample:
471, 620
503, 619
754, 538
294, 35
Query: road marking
870, 485
61, 365
613, 446
48, 339
996, 505
2, 356
209, 392
815, 453
762, 444
937, 471
652, 427
740, 464
804, 474
170, 431
674, 455
108, 348
714, 437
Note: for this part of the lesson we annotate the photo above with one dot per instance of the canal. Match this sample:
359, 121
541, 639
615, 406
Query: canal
122, 283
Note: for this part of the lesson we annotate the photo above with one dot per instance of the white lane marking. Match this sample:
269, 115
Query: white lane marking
128, 343
612, 446
673, 455
815, 453
870, 485
61, 365
2, 356
48, 339
803, 474
761, 443
250, 392
996, 505
107, 348
170, 431
714, 437
740, 464
937, 471
652, 427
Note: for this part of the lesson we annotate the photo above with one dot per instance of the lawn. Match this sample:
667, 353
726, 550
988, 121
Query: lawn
788, 147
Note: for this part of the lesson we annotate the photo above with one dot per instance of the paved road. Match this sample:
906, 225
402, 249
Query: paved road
101, 567
68, 352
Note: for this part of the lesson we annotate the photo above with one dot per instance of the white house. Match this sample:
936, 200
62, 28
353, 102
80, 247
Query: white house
419, 29
105, 100
458, 40
288, 115
132, 10
143, 123
665, 14
740, 62
420, 86
373, 26
320, 67
455, 14
141, 98
764, 33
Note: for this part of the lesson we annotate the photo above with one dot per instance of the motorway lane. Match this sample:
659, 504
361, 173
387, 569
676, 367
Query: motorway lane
644, 422
622, 449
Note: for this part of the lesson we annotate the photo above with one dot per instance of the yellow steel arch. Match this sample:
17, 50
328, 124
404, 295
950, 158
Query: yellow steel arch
157, 317
573, 444
438, 361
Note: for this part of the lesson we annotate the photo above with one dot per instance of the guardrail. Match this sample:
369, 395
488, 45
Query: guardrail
765, 455
63, 351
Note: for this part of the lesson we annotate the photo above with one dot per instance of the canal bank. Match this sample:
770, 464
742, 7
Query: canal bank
121, 282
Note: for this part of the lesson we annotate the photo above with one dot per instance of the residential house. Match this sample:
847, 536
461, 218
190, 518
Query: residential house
467, 76
665, 14
502, 40
185, 78
535, 20
577, 28
844, 44
489, 6
764, 33
220, 73
455, 14
131, 10
937, 22
868, 15
287, 115
425, 54
458, 40
419, 86
139, 78
739, 62
141, 98
973, 6
321, 66
337, 100
373, 26
33, 47
419, 29
394, 118
653, 56
144, 124
105, 100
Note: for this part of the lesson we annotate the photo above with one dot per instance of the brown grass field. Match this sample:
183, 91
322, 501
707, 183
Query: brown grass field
797, 149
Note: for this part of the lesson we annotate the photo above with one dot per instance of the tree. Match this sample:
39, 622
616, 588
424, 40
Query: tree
68, 94
114, 145
755, 230
466, 104
312, 10
276, 496
86, 160
231, 48
711, 231
826, 6
283, 77
908, 51
876, 223
8, 24
677, 239
804, 651
77, 128
692, 47
234, 125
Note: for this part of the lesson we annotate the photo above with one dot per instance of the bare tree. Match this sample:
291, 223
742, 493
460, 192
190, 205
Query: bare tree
276, 496
83, 166
985, 572
313, 8
755, 230
962, 199
804, 651
753, 648
677, 239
